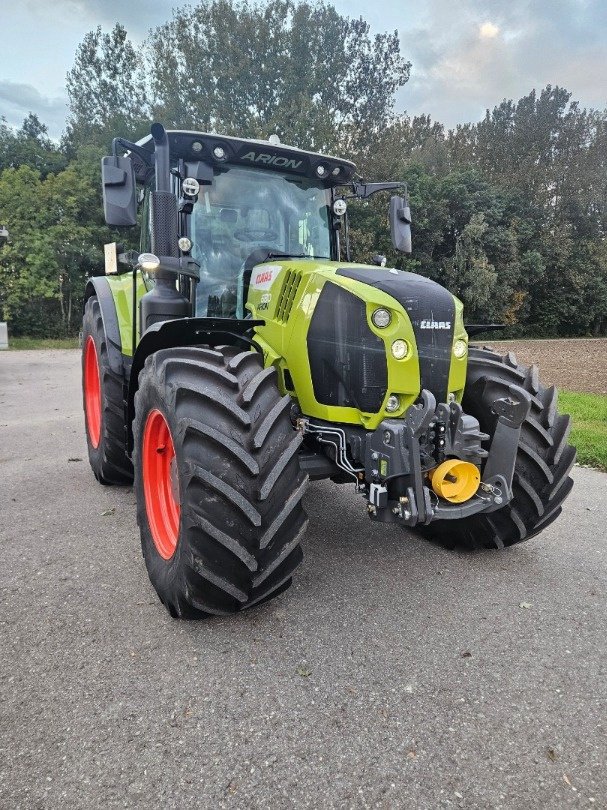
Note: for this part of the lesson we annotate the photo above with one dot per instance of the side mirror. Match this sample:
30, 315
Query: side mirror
400, 224
119, 191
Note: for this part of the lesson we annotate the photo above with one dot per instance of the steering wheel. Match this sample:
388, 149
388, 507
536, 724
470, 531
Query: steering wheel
255, 235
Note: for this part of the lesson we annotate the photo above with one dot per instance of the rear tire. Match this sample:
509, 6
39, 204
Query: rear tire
102, 403
235, 486
544, 459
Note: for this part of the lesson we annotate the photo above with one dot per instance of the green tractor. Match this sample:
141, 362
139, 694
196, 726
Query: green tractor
237, 355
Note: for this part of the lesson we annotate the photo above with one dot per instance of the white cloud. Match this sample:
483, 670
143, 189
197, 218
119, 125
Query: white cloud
18, 99
488, 30
470, 56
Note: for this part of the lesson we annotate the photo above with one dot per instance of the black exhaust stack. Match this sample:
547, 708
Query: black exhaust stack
164, 302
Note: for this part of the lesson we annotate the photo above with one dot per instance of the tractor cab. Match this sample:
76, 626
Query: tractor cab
250, 212
238, 203
242, 201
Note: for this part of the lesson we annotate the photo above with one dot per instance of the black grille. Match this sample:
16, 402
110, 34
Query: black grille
348, 362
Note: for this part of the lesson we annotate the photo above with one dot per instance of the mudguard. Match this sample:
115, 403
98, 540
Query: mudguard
185, 332
100, 286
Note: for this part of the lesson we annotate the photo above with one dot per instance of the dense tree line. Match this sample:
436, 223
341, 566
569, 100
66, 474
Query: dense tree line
510, 213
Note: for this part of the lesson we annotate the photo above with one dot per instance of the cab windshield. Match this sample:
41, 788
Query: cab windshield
245, 213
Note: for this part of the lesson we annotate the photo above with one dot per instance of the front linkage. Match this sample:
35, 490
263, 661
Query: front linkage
401, 455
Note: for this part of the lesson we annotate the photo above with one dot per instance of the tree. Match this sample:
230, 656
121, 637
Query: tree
469, 274
106, 89
55, 244
29, 146
320, 79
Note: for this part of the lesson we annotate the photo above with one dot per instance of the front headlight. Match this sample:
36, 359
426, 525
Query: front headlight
400, 349
381, 318
460, 347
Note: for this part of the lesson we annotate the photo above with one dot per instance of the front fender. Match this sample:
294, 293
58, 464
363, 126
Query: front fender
185, 332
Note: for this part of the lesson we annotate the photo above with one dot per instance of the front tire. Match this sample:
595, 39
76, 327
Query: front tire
103, 403
217, 480
544, 458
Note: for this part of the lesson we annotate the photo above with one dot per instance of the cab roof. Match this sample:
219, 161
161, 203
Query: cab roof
225, 149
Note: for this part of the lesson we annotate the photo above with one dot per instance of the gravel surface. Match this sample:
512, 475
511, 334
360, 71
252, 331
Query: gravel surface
571, 364
393, 674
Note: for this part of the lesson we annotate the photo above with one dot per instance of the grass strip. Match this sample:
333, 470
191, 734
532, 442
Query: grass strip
589, 428
20, 343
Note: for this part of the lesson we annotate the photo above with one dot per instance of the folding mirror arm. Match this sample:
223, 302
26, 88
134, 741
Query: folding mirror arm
144, 154
365, 190
361, 191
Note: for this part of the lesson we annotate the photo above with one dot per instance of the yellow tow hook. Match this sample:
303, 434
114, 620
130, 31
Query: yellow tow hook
455, 480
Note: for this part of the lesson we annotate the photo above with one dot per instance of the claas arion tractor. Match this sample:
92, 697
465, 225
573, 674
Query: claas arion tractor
237, 354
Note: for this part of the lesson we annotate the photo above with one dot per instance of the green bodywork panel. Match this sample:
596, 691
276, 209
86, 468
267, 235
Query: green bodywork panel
284, 295
122, 292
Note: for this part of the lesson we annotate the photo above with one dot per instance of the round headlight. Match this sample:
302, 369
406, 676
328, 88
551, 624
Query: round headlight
340, 207
381, 318
460, 347
219, 152
400, 349
149, 262
196, 146
190, 186
321, 170
393, 403
185, 244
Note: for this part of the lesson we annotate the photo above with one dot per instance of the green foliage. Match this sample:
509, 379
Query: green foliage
106, 90
29, 146
301, 69
509, 213
589, 426
55, 241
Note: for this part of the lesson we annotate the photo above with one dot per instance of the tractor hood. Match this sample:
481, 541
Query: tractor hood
320, 331
431, 310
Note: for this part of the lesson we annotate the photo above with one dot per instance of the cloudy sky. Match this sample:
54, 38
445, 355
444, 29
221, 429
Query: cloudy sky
466, 56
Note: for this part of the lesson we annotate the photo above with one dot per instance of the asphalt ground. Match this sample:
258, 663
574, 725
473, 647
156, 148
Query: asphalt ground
392, 674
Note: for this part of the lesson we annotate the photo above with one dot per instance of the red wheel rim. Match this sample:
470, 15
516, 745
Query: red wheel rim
160, 484
92, 392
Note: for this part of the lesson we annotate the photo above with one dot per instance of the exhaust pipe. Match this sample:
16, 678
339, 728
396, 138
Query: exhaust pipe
164, 302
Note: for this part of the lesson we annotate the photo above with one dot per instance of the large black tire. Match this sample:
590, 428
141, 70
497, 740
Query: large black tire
544, 458
106, 449
237, 480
